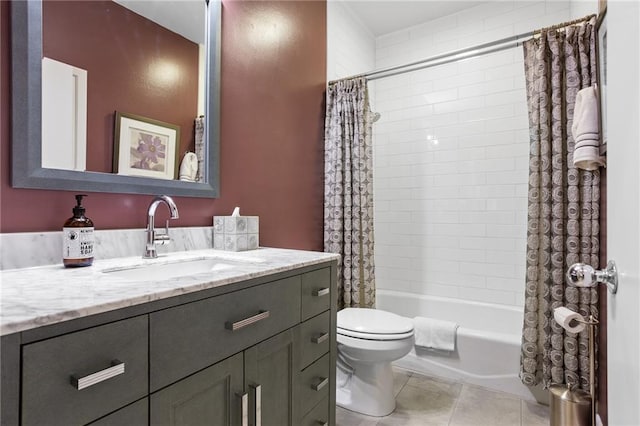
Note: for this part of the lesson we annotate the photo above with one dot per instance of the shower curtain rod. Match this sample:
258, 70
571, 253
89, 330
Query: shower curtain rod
456, 55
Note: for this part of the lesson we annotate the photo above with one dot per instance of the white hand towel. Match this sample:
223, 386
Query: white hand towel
189, 167
586, 130
435, 333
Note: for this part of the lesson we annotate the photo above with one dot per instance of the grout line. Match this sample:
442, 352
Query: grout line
455, 405
409, 375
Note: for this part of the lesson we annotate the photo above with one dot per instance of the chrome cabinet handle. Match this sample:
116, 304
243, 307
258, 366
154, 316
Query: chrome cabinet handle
319, 339
323, 383
116, 369
233, 326
244, 408
258, 394
321, 292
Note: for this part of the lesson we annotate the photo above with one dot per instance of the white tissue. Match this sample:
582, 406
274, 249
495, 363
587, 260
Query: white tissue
568, 319
236, 212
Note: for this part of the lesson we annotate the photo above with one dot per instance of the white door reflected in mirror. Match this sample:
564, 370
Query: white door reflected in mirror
64, 116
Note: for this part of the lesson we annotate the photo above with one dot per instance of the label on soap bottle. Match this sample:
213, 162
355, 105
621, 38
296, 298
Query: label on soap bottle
77, 243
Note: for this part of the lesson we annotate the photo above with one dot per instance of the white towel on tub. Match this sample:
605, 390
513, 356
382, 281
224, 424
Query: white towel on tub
435, 333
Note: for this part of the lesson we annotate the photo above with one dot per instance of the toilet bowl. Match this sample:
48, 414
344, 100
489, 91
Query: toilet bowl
368, 341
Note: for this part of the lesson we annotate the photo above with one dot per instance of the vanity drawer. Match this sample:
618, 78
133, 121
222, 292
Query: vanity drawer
316, 292
61, 384
319, 416
134, 414
315, 338
188, 338
314, 384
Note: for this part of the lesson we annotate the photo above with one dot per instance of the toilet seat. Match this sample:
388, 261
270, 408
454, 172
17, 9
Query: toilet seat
372, 324
374, 336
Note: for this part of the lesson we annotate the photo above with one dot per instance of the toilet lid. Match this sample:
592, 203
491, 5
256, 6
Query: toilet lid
372, 321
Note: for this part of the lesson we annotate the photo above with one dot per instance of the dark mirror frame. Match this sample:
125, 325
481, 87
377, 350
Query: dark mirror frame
26, 70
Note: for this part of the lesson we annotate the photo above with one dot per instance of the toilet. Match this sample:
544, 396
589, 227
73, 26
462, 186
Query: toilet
368, 341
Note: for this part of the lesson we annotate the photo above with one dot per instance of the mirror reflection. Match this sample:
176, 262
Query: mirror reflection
123, 87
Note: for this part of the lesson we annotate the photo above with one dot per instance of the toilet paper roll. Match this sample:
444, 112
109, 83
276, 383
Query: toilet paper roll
568, 319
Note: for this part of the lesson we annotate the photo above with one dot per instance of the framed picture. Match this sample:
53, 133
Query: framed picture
145, 147
601, 28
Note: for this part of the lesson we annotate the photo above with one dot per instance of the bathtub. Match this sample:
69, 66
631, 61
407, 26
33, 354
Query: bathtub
487, 342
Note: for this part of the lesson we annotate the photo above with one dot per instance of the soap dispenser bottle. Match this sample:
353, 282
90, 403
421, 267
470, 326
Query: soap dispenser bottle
77, 238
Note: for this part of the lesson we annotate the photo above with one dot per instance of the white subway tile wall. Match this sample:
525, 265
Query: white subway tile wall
451, 157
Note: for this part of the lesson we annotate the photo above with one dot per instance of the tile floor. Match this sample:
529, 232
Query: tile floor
425, 401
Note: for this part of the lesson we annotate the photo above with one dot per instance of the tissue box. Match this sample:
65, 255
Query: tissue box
236, 233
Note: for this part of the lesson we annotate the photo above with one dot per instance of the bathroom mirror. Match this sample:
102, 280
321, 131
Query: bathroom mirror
27, 121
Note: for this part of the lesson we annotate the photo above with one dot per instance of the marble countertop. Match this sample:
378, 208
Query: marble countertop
39, 296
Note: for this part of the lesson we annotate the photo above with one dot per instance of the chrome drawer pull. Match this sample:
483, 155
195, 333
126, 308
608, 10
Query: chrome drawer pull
320, 385
321, 292
116, 369
258, 390
244, 408
233, 326
319, 339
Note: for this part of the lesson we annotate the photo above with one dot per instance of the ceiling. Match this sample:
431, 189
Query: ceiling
385, 16
185, 17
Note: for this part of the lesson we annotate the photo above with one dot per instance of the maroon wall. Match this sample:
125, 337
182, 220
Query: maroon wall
271, 134
123, 72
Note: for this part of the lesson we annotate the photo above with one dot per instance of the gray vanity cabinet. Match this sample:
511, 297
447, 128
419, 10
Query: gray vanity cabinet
190, 337
260, 353
210, 397
271, 376
218, 395
131, 415
276, 368
78, 377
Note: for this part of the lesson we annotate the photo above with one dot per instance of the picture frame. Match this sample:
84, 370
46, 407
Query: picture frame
145, 147
601, 48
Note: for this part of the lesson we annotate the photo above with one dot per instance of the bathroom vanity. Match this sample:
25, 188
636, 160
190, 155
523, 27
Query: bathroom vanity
250, 343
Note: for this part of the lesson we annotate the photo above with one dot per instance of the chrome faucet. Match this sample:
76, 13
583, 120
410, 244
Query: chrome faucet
154, 237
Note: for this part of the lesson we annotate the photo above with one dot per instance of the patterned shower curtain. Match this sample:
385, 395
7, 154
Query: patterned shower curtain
563, 210
200, 148
348, 191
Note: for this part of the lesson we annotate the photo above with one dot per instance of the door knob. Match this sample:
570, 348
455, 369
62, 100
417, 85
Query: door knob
583, 275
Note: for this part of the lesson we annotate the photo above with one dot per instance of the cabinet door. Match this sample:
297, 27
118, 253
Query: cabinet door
135, 414
273, 365
209, 397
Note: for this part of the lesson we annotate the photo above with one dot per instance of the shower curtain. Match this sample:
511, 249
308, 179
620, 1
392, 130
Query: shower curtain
348, 191
563, 210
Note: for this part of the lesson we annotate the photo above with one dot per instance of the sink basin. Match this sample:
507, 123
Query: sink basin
174, 269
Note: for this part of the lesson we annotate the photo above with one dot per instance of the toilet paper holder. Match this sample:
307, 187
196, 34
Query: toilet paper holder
583, 275
591, 323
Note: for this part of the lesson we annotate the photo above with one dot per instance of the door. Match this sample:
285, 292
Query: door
623, 211
271, 375
210, 397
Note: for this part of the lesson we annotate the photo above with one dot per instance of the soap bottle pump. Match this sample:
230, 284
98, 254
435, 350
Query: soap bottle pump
77, 238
